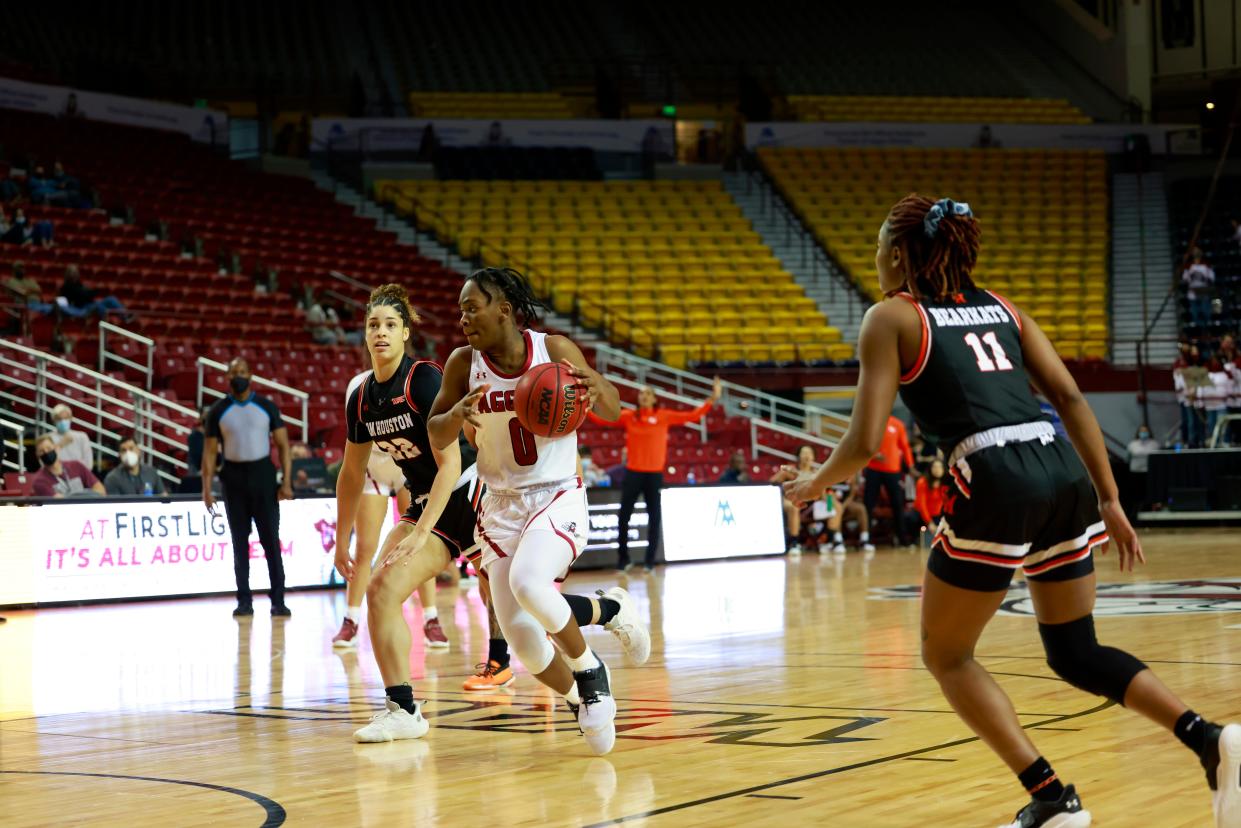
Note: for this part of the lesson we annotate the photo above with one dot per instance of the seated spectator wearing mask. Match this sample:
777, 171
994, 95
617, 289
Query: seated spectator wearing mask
71, 444
81, 300
591, 474
736, 472
61, 478
43, 189
131, 476
26, 291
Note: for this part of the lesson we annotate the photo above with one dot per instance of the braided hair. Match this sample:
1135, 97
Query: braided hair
516, 290
941, 240
394, 296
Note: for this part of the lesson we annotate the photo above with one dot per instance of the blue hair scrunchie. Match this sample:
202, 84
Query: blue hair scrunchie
941, 208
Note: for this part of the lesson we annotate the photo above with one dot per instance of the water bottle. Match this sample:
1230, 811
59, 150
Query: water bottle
148, 489
691, 479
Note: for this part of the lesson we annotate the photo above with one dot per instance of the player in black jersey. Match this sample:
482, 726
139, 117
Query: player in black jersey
963, 360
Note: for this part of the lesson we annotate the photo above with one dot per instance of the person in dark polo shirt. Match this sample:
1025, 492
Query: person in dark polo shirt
243, 424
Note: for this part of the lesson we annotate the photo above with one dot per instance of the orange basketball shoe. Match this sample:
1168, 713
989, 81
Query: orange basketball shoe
489, 676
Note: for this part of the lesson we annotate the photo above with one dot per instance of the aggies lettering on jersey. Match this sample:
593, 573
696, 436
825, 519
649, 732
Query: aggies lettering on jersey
970, 375
393, 415
509, 457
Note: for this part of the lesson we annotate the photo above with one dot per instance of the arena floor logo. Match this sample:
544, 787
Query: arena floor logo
1143, 598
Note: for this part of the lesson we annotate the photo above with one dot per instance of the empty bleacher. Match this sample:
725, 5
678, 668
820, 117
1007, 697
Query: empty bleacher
1043, 216
668, 267
935, 109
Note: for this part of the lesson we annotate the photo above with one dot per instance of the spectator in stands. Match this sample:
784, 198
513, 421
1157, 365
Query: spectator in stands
58, 477
1199, 281
736, 472
793, 512
985, 140
244, 424
67, 184
592, 475
81, 301
1230, 358
843, 504
320, 326
1214, 395
26, 291
1139, 450
495, 136
131, 476
646, 456
71, 444
17, 231
931, 490
886, 471
43, 189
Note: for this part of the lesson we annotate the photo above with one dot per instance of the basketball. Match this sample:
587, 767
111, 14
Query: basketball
548, 401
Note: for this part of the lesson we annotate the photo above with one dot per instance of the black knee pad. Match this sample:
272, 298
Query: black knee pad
1078, 658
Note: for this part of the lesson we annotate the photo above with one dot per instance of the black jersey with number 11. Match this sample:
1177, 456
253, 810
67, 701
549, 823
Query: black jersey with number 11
394, 414
969, 375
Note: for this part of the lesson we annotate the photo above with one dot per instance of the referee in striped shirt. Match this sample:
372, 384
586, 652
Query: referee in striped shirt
245, 422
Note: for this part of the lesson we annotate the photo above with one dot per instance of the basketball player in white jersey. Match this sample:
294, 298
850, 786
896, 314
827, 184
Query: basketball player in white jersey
532, 521
383, 481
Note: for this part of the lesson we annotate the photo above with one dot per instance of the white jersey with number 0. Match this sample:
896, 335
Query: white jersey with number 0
509, 457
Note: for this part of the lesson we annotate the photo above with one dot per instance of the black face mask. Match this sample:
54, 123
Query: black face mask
48, 458
239, 384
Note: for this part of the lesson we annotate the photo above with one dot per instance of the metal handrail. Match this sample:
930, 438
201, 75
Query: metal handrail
738, 400
20, 430
140, 404
297, 394
147, 370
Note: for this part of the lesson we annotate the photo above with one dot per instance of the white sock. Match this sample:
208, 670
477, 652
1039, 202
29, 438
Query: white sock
430, 613
354, 614
838, 538
586, 661
865, 538
572, 697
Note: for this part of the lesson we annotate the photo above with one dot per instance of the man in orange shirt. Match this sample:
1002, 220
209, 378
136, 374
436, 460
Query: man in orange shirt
646, 453
886, 470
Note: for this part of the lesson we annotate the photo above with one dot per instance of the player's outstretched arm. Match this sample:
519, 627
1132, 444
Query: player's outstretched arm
455, 405
348, 493
877, 383
601, 393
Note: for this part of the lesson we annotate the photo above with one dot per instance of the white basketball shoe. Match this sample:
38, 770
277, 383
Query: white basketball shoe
393, 724
627, 626
1227, 781
596, 715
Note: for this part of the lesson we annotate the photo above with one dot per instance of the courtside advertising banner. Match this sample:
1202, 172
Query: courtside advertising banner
845, 134
209, 126
367, 135
711, 522
100, 550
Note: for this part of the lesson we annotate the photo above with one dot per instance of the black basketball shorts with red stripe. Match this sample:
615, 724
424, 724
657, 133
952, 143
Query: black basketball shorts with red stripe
1027, 506
456, 525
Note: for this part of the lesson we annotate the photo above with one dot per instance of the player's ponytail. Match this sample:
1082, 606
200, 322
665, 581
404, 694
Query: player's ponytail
941, 240
514, 287
393, 296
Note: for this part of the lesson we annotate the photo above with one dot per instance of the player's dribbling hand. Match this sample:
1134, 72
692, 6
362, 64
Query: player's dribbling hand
467, 407
803, 490
344, 565
1121, 533
587, 380
209, 500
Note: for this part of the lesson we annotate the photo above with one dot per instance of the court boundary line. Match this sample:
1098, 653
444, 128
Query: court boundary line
805, 777
276, 814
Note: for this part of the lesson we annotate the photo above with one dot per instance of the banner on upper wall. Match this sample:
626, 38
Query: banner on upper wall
208, 126
369, 135
97, 550
1109, 138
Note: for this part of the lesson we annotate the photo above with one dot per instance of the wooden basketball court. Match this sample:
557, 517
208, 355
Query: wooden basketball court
779, 692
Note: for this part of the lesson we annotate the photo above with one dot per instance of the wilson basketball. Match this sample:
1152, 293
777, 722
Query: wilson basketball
548, 401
